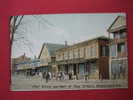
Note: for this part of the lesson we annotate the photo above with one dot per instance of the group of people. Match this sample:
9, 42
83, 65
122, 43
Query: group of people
53, 76
56, 76
49, 76
45, 75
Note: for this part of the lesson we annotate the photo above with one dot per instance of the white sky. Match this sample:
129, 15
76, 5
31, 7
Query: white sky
58, 28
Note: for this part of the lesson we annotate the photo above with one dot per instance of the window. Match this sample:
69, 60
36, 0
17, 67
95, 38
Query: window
121, 47
88, 52
81, 69
104, 51
115, 67
82, 52
123, 35
71, 54
113, 50
93, 51
66, 55
118, 68
116, 36
76, 53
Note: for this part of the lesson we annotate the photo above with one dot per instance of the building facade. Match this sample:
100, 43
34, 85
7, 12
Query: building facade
47, 57
88, 59
118, 49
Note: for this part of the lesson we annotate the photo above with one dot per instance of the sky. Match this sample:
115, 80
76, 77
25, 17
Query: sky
35, 30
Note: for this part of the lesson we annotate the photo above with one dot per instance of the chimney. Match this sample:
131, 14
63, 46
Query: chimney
65, 43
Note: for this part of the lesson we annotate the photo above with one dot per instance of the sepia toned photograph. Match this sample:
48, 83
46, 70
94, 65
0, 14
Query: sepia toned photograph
81, 51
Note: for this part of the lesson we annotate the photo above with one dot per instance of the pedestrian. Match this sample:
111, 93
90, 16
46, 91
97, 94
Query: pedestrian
63, 76
40, 75
59, 76
50, 75
77, 76
70, 76
44, 75
47, 77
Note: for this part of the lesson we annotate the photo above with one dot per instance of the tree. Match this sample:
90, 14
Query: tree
15, 21
18, 33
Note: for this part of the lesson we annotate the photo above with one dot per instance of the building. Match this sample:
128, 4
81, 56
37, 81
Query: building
47, 56
16, 61
31, 67
26, 66
118, 48
88, 58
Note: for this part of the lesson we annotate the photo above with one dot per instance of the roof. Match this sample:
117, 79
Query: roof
52, 47
118, 24
21, 58
95, 38
86, 41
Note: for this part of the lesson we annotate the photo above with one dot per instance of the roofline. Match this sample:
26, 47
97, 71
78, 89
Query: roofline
113, 23
96, 38
43, 47
41, 51
21, 56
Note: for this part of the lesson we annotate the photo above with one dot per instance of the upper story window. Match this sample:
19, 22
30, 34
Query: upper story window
123, 35
65, 55
81, 52
120, 35
104, 51
70, 54
93, 51
113, 50
116, 36
122, 47
76, 53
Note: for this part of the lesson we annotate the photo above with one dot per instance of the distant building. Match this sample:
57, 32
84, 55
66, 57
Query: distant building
16, 61
47, 56
88, 58
118, 48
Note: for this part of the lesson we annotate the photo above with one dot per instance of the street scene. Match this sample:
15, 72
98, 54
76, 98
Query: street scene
69, 52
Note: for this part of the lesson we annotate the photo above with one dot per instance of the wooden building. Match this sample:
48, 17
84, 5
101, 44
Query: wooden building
88, 58
118, 48
47, 56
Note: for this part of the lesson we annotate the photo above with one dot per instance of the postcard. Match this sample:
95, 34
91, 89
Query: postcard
81, 51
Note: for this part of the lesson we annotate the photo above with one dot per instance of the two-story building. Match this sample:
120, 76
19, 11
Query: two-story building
118, 48
88, 58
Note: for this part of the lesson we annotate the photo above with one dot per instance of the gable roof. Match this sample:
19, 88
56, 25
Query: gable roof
118, 24
52, 47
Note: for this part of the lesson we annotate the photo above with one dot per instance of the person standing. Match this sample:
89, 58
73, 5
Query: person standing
47, 77
41, 76
50, 75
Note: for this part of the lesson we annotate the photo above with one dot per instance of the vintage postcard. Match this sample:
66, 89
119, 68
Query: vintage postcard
68, 51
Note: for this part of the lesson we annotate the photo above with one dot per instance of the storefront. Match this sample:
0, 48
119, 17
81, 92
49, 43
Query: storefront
119, 68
